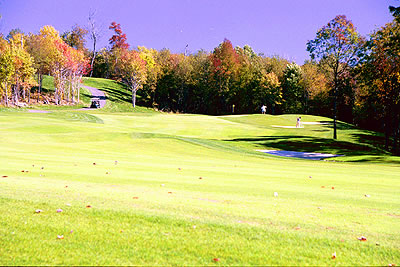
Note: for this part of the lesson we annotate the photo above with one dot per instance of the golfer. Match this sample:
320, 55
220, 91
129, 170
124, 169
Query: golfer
263, 109
298, 123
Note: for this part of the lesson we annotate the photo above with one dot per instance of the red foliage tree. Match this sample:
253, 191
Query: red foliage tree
118, 40
224, 69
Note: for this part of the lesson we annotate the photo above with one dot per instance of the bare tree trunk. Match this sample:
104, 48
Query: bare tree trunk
94, 35
6, 95
94, 56
134, 97
335, 100
69, 91
23, 94
387, 131
40, 86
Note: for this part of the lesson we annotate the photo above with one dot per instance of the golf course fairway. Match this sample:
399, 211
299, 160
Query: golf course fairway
151, 188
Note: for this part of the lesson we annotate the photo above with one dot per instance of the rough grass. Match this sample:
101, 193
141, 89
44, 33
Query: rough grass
151, 207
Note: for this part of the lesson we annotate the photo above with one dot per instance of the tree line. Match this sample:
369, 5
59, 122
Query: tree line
348, 77
24, 59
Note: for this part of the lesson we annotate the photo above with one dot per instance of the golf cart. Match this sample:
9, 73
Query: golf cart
95, 103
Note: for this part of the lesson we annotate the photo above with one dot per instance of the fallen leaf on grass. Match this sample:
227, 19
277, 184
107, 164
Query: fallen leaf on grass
66, 186
216, 259
94, 163
4, 176
362, 238
334, 255
169, 192
200, 178
88, 206
323, 186
297, 228
333, 187
135, 197
60, 237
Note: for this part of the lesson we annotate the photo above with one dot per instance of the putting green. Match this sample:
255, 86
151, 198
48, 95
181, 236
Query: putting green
165, 189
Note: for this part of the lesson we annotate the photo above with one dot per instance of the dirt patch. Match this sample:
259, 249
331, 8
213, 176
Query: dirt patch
316, 123
282, 126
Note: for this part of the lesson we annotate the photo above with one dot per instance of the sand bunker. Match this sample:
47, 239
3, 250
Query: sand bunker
297, 154
281, 126
316, 123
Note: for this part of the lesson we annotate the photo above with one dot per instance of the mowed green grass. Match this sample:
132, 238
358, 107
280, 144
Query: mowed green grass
148, 205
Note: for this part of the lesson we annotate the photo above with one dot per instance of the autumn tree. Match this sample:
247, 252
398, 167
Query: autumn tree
153, 74
131, 69
316, 89
225, 64
7, 71
339, 44
270, 92
76, 37
13, 32
102, 64
16, 72
381, 77
118, 39
40, 47
292, 90
66, 65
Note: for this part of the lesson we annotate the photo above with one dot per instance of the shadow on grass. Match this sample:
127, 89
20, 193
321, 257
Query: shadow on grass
339, 125
374, 139
311, 144
117, 95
